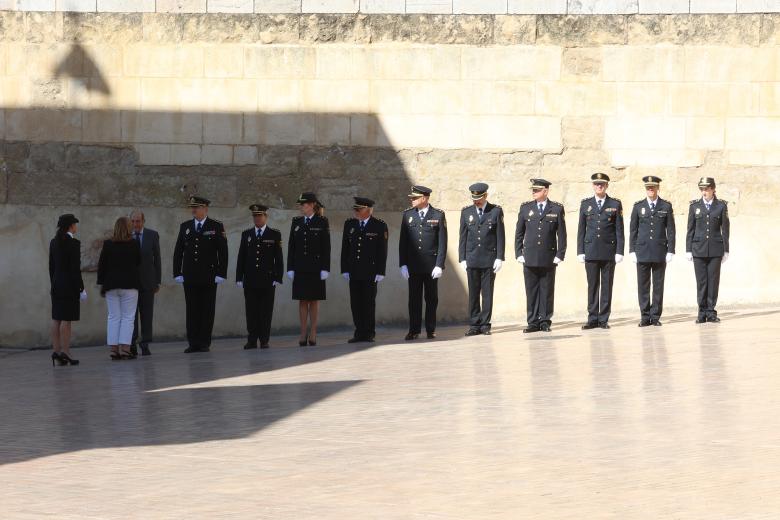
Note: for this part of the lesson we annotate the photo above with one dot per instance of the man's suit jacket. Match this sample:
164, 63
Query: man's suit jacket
151, 265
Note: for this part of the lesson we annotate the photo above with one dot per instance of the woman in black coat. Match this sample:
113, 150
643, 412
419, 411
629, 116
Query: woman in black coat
67, 287
308, 263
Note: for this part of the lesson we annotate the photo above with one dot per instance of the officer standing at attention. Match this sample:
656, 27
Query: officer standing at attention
540, 245
422, 252
651, 246
707, 245
200, 264
600, 245
481, 254
363, 261
259, 269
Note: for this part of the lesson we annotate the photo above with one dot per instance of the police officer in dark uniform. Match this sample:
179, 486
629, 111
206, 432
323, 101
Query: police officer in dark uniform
422, 252
259, 269
600, 245
481, 254
540, 245
200, 263
651, 246
707, 245
363, 261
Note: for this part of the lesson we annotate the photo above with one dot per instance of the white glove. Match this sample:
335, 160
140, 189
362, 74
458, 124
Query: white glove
618, 259
633, 257
275, 283
669, 257
218, 280
179, 279
689, 256
290, 274
725, 257
405, 272
521, 259
240, 284
83, 296
437, 272
557, 260
463, 265
581, 258
378, 278
497, 265
324, 275
346, 276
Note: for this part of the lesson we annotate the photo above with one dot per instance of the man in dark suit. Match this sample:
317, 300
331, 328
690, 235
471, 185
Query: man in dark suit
363, 262
707, 245
200, 263
600, 245
481, 249
422, 253
150, 272
540, 245
259, 269
651, 246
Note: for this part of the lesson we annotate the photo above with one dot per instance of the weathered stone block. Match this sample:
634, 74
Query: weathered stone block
769, 33
279, 62
43, 27
573, 98
657, 29
493, 97
162, 127
707, 133
515, 30
583, 132
113, 159
61, 188
243, 155
582, 62
43, 125
536, 63
725, 29
644, 133
639, 98
581, 31
12, 26
223, 61
222, 128
624, 63
103, 28
335, 28
15, 155
217, 154
432, 28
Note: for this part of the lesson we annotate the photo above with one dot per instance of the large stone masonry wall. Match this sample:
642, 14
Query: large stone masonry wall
101, 113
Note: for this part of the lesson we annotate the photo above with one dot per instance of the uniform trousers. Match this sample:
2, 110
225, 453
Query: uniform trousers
200, 301
421, 284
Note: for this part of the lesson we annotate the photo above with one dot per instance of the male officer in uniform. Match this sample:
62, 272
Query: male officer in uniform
707, 245
481, 254
200, 263
540, 245
259, 269
600, 245
651, 246
422, 252
363, 261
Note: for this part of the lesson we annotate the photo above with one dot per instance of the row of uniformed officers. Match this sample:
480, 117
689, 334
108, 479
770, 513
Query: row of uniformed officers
201, 256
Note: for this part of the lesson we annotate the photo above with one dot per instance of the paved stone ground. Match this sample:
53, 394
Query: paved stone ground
673, 422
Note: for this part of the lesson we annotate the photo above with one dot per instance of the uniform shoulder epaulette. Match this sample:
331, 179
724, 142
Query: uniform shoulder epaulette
694, 201
526, 203
467, 207
615, 198
724, 201
274, 229
379, 220
640, 201
408, 209
323, 217
299, 217
554, 203
586, 198
217, 221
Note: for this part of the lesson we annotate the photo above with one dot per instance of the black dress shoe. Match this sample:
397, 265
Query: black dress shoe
473, 332
250, 345
145, 350
544, 327
191, 349
264, 345
431, 335
645, 323
134, 350
589, 326
713, 319
530, 329
701, 320
411, 336
604, 325
354, 340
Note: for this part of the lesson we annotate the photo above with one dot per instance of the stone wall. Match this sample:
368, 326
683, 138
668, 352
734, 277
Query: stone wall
100, 113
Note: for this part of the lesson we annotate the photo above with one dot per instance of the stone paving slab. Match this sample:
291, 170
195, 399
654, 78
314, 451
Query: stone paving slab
670, 422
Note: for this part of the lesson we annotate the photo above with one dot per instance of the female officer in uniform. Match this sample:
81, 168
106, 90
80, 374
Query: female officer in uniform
308, 263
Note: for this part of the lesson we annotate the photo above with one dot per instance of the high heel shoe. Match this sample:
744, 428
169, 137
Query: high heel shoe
127, 354
303, 342
67, 360
115, 355
313, 342
55, 359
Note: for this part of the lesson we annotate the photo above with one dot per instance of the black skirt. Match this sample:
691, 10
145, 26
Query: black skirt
308, 286
65, 309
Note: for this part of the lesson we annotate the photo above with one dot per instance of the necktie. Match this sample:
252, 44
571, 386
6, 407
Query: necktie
541, 208
138, 238
259, 233
598, 203
708, 205
480, 214
307, 220
362, 225
198, 227
422, 214
652, 206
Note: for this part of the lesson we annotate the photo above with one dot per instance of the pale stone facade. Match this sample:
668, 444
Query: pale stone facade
102, 112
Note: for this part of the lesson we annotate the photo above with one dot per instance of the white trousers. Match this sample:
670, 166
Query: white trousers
121, 314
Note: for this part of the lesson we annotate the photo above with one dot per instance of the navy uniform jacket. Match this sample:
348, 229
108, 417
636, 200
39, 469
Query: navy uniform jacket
260, 261
651, 233
364, 253
65, 268
600, 234
199, 257
540, 238
308, 250
708, 231
481, 243
423, 243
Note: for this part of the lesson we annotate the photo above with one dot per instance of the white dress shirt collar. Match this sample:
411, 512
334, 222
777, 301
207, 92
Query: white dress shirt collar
602, 199
364, 222
71, 234
651, 201
261, 230
201, 222
705, 200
